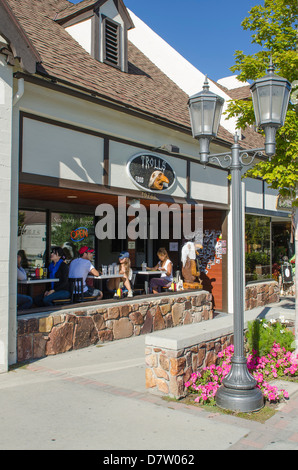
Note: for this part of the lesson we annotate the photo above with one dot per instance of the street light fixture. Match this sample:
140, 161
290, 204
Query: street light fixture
205, 112
270, 99
270, 96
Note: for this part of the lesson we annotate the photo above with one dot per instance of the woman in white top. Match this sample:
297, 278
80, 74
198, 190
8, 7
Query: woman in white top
164, 265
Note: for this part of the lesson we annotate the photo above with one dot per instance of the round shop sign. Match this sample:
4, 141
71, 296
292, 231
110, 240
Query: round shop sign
151, 172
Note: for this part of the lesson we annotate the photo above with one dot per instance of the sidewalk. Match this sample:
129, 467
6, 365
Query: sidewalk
95, 398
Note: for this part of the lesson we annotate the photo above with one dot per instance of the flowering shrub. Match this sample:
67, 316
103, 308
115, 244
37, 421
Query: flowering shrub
207, 381
275, 271
278, 363
262, 334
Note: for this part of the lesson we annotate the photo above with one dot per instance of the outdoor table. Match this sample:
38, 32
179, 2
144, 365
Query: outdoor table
146, 275
104, 276
33, 282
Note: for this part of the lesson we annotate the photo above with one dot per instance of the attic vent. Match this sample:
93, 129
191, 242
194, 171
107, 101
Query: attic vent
111, 42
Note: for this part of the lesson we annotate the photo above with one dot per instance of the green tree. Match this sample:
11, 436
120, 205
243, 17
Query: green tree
274, 27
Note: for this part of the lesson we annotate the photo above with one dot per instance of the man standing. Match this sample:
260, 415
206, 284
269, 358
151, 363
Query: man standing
190, 272
81, 267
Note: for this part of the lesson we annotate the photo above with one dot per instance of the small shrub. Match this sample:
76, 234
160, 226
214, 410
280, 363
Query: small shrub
262, 334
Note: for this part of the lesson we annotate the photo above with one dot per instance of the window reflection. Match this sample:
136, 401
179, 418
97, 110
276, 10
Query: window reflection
257, 248
32, 238
71, 232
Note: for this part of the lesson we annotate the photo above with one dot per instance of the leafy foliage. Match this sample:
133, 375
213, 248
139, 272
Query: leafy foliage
261, 336
274, 26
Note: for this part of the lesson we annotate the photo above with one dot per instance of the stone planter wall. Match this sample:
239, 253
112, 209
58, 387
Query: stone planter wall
52, 333
43, 334
168, 369
261, 293
172, 356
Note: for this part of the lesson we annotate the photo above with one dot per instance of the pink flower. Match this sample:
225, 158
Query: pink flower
271, 397
206, 382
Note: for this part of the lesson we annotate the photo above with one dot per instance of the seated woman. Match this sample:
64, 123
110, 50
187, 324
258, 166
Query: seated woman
22, 259
125, 270
24, 302
164, 265
57, 269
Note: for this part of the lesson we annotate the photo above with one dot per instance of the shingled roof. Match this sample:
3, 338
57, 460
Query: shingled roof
240, 93
72, 10
145, 88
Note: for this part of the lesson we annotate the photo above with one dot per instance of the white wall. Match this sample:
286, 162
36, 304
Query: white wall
259, 195
271, 196
58, 152
64, 108
231, 82
253, 193
81, 32
209, 184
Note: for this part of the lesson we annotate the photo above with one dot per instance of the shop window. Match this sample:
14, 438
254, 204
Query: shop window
282, 245
31, 243
71, 231
257, 248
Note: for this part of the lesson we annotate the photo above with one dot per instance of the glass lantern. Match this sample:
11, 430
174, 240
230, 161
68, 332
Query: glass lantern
270, 95
205, 110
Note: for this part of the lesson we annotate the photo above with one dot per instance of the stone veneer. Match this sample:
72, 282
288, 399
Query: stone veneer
168, 369
43, 334
172, 356
55, 332
261, 293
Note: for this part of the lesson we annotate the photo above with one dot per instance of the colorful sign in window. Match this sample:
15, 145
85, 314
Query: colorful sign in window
79, 234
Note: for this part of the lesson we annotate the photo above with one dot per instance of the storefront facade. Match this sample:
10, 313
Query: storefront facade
87, 168
268, 232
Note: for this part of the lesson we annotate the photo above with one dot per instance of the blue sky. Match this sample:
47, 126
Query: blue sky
206, 33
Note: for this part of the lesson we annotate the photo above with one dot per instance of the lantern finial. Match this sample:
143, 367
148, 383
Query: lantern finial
271, 66
206, 84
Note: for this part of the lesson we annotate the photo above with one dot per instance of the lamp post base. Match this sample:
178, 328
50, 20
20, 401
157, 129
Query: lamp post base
239, 400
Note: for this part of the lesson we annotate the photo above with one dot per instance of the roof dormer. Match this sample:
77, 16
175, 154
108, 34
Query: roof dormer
100, 27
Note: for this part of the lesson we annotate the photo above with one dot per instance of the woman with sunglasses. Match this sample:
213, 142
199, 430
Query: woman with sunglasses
58, 290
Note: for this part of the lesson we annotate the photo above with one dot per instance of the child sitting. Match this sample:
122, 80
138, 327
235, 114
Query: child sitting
125, 270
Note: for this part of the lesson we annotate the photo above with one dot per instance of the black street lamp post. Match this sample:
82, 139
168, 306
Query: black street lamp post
270, 99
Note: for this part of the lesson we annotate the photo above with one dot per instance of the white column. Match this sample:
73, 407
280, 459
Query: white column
7, 270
